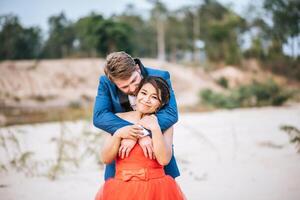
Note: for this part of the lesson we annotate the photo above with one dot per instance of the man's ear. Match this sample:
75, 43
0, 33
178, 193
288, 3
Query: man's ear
137, 68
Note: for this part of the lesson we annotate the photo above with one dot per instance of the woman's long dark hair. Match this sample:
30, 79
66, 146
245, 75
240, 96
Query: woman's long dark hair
161, 87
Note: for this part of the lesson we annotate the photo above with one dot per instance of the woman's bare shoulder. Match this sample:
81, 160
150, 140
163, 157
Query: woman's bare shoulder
128, 116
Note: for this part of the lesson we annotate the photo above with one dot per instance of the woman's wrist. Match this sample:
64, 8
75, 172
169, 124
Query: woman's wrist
155, 129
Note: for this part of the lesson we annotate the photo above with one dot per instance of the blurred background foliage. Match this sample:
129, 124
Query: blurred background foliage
168, 35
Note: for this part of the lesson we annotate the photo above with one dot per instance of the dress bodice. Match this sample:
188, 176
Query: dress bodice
136, 159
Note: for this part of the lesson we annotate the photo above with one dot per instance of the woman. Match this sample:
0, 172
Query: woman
138, 177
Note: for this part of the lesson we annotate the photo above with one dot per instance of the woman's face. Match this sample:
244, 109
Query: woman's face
147, 100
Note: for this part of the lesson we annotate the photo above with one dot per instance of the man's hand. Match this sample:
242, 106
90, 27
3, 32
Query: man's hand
130, 132
147, 146
125, 147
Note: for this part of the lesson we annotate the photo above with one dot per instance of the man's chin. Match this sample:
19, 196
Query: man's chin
133, 93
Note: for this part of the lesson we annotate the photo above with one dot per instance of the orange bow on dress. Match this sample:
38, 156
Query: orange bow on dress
134, 174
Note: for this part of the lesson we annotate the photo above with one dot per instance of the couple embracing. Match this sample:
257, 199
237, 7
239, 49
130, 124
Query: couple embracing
136, 106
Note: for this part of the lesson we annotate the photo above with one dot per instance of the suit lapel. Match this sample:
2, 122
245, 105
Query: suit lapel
124, 101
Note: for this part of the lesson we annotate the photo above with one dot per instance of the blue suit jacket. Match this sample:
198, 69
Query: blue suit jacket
111, 100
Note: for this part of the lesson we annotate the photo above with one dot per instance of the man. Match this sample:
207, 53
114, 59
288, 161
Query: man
116, 93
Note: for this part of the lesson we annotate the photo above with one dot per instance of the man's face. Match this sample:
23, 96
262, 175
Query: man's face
130, 85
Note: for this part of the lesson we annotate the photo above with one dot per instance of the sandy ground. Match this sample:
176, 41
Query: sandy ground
239, 154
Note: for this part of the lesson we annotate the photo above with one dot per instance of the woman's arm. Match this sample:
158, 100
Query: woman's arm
110, 148
162, 145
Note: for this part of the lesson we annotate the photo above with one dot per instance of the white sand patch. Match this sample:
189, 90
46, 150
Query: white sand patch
240, 154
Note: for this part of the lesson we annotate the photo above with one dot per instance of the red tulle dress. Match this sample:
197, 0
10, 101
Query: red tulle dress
139, 178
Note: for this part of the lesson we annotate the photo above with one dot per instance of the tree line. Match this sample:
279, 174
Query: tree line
164, 34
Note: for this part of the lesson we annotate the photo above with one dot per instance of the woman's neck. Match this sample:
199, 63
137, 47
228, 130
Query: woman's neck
139, 115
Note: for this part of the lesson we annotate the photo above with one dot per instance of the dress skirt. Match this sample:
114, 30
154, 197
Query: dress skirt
139, 178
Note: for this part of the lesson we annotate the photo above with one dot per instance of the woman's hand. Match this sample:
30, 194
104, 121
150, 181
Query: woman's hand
126, 147
130, 132
149, 122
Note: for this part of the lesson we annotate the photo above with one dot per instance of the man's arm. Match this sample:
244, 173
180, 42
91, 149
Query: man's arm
168, 115
103, 116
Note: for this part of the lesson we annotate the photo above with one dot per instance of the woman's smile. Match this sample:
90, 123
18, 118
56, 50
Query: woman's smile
147, 99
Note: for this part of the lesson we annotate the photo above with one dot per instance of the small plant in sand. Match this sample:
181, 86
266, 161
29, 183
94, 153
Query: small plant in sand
16, 158
92, 143
65, 153
294, 134
73, 150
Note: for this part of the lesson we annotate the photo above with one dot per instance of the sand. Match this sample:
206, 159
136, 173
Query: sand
238, 154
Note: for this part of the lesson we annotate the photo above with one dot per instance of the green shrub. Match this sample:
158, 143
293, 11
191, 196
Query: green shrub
255, 94
223, 82
217, 99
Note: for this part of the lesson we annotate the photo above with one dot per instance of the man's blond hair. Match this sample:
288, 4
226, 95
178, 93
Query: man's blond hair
119, 65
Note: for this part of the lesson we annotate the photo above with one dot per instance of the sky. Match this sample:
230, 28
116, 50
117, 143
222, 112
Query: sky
37, 12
